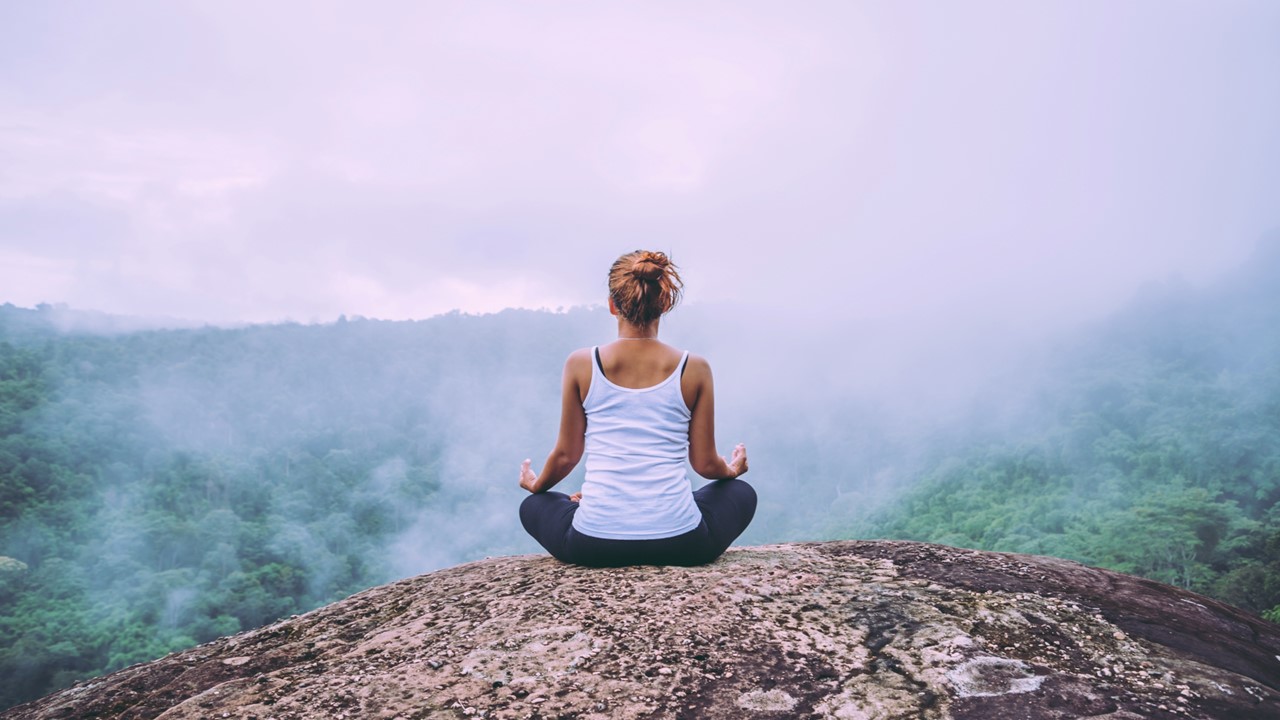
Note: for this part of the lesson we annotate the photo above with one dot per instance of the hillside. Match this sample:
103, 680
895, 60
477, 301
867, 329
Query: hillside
162, 488
1149, 444
840, 629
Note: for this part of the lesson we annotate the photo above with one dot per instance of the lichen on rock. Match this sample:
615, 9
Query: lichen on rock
988, 676
844, 629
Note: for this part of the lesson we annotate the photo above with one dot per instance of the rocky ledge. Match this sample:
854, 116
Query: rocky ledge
838, 629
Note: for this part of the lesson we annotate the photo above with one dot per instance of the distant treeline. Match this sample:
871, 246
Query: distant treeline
1152, 447
162, 488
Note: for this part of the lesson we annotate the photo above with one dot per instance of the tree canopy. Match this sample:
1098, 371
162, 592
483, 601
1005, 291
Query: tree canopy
161, 488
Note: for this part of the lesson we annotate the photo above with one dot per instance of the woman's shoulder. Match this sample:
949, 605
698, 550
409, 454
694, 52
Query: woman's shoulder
577, 371
579, 363
580, 358
696, 360
697, 368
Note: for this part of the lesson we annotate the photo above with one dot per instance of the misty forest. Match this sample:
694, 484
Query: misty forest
163, 487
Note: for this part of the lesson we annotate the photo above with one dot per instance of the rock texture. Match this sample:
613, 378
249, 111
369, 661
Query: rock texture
842, 629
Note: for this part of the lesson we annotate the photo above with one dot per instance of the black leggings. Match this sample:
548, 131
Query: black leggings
727, 508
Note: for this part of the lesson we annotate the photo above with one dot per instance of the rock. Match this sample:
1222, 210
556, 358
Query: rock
864, 630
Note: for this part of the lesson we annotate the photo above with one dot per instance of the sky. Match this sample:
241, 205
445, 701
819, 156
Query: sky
232, 162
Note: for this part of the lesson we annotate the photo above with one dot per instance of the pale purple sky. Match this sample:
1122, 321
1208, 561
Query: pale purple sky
248, 161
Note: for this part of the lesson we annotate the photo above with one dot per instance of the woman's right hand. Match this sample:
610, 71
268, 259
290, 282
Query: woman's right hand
738, 463
528, 478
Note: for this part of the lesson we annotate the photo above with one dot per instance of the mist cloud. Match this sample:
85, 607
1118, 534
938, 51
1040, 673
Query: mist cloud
231, 162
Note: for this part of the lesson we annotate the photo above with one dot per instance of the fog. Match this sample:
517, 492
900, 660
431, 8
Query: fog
170, 486
420, 426
901, 163
305, 275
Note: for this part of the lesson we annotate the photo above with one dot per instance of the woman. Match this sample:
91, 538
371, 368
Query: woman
640, 409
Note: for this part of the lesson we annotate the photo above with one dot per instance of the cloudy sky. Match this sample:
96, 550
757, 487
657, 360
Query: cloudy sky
248, 161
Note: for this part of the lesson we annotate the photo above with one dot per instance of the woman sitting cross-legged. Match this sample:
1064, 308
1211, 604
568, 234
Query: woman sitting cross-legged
640, 409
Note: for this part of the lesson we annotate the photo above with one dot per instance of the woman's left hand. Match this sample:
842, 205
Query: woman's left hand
738, 463
528, 478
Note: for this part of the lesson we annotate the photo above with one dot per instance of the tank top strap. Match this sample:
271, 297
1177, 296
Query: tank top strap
597, 375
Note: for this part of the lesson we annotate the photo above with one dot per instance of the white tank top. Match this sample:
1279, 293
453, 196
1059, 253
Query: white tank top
637, 444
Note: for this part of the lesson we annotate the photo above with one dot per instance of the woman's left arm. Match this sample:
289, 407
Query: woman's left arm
700, 397
573, 428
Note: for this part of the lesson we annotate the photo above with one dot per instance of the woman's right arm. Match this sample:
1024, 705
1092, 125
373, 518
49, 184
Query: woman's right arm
699, 393
573, 427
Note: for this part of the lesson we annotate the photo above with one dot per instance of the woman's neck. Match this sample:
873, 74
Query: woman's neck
629, 331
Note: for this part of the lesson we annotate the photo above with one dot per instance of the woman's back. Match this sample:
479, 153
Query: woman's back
637, 444
639, 362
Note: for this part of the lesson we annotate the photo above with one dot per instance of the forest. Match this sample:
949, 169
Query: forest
163, 487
